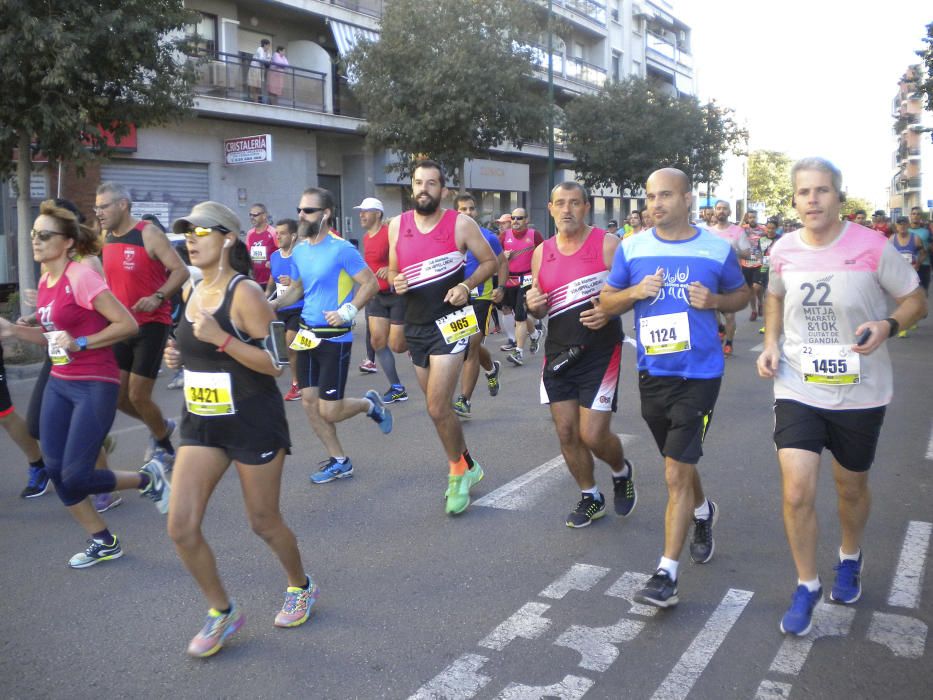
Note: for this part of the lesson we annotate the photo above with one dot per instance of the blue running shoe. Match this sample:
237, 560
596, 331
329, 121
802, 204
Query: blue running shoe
331, 470
159, 489
847, 588
395, 393
38, 483
379, 413
153, 450
799, 616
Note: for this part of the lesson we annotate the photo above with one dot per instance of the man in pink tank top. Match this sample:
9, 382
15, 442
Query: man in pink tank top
735, 235
518, 245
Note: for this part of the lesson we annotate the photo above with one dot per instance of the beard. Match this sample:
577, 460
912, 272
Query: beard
309, 229
428, 207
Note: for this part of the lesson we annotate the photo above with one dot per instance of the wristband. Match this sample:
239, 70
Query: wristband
347, 312
895, 326
223, 346
159, 295
463, 284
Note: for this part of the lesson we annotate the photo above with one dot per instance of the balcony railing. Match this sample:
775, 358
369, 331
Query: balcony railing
594, 11
373, 8
578, 69
235, 77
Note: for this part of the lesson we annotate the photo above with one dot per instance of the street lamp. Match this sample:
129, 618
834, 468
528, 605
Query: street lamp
550, 125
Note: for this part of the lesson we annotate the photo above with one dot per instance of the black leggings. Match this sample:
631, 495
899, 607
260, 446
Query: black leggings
35, 401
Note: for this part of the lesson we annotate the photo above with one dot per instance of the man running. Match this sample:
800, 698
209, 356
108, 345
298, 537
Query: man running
518, 244
144, 271
323, 271
261, 243
723, 227
426, 248
921, 229
481, 299
286, 236
751, 266
827, 295
583, 351
676, 276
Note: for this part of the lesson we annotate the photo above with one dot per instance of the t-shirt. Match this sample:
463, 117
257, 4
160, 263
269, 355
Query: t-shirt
753, 235
735, 235
828, 292
279, 265
326, 270
681, 341
261, 245
923, 233
376, 253
484, 291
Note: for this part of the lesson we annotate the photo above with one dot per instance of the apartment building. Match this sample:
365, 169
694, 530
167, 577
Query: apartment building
912, 160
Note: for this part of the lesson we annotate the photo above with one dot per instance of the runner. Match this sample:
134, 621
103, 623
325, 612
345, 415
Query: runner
751, 266
144, 271
323, 270
233, 412
764, 246
921, 229
426, 249
735, 235
676, 276
481, 299
16, 428
80, 320
261, 242
583, 351
832, 373
518, 244
286, 235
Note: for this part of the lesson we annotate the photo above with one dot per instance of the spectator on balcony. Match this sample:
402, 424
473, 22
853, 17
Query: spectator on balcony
276, 75
256, 77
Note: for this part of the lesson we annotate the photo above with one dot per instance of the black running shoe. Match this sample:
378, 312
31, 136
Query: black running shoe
587, 510
703, 544
623, 489
660, 591
38, 483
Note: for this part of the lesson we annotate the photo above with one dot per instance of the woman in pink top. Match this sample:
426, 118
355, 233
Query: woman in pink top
79, 320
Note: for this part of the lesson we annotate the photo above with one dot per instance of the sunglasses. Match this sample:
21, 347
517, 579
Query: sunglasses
102, 207
310, 210
518, 218
255, 214
201, 231
45, 235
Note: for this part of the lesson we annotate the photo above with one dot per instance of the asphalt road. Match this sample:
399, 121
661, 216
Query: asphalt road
501, 602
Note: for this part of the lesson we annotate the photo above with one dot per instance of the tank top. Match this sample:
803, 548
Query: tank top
376, 254
523, 248
432, 263
571, 282
132, 274
909, 250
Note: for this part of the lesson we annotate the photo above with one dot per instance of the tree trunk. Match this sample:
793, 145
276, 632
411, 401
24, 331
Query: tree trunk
24, 264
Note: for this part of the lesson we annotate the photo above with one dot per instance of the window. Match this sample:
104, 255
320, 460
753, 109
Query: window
203, 36
636, 69
616, 67
614, 12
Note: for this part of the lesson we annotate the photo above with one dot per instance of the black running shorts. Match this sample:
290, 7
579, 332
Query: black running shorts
142, 354
424, 341
325, 367
593, 381
678, 412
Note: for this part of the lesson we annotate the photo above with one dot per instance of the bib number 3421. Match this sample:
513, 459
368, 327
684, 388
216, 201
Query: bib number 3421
209, 393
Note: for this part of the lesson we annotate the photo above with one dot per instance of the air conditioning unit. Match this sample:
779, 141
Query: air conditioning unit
217, 74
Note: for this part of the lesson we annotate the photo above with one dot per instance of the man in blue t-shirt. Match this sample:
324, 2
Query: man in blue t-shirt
676, 277
921, 229
333, 279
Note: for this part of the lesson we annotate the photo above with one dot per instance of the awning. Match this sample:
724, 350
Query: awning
348, 35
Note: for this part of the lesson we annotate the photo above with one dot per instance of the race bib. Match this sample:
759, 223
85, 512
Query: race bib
909, 257
765, 261
209, 393
662, 335
58, 356
833, 365
280, 290
525, 280
458, 325
305, 340
257, 252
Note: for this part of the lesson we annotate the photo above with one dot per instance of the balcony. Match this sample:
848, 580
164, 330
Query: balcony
586, 14
583, 72
573, 70
373, 8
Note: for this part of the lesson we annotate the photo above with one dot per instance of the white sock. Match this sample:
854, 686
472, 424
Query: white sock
851, 557
702, 513
507, 323
812, 586
594, 492
670, 566
626, 471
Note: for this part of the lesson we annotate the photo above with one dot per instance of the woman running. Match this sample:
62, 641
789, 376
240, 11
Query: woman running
233, 412
80, 319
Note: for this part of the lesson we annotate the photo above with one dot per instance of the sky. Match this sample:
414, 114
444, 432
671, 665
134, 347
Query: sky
811, 77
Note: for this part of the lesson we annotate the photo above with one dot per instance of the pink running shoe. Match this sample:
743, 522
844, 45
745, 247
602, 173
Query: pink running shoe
297, 606
216, 629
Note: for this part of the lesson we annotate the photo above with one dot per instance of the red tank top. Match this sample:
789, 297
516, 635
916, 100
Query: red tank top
523, 248
376, 253
571, 283
68, 306
132, 274
432, 263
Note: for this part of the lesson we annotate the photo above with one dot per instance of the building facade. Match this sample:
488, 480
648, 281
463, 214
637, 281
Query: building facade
912, 160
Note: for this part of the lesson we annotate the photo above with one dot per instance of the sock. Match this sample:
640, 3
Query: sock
166, 444
670, 566
626, 472
594, 492
144, 481
307, 583
104, 536
459, 467
812, 586
38, 464
387, 362
702, 513
340, 460
466, 455
849, 557
225, 611
508, 325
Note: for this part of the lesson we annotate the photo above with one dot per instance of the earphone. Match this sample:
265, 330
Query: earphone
228, 243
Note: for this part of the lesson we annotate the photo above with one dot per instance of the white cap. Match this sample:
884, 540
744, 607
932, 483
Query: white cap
370, 204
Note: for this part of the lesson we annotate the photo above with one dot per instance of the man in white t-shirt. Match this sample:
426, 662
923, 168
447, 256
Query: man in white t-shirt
723, 227
827, 293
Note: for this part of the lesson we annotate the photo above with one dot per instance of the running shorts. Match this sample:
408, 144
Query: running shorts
678, 412
424, 341
325, 367
142, 354
593, 381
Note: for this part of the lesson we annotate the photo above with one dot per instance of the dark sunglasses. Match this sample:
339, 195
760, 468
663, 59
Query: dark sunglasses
255, 214
310, 210
518, 218
45, 235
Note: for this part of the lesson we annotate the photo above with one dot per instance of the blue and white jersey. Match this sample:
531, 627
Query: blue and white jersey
674, 339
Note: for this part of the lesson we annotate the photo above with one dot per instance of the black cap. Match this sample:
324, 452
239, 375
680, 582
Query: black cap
878, 212
902, 220
613, 222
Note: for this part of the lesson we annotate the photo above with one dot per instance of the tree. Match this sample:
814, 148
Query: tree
926, 87
73, 68
721, 133
450, 80
854, 204
769, 181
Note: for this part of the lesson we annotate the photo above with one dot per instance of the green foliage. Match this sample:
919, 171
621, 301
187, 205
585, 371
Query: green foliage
926, 87
769, 181
449, 80
627, 130
69, 66
853, 204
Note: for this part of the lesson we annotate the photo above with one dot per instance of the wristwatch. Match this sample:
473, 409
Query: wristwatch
81, 343
895, 326
160, 295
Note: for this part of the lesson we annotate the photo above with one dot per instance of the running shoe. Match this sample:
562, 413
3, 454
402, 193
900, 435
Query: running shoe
492, 378
331, 470
458, 489
509, 346
153, 445
902, 334
534, 342
624, 495
516, 357
799, 616
495, 331
216, 629
703, 545
95, 553
178, 381
37, 485
294, 393
847, 588
368, 367
297, 607
159, 490
106, 501
381, 415
660, 591
462, 406
753, 316
395, 393
727, 349
761, 331
588, 509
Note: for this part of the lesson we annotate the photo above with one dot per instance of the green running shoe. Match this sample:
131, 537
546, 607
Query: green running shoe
458, 489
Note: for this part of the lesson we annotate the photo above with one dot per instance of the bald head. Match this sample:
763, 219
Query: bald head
672, 177
519, 219
669, 199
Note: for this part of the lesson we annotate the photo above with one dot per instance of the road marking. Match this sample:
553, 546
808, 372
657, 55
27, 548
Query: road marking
627, 585
596, 645
692, 663
527, 622
459, 681
930, 444
522, 492
828, 621
571, 688
905, 636
908, 576
772, 690
579, 577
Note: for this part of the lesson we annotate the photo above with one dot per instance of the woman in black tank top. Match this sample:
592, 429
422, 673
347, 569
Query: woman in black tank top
233, 412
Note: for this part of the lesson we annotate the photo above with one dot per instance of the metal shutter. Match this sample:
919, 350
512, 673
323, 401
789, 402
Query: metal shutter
175, 186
